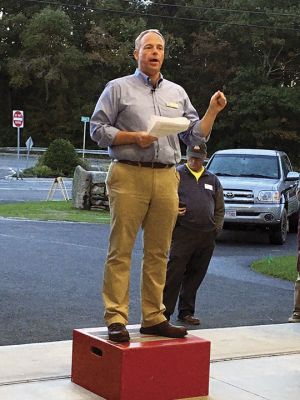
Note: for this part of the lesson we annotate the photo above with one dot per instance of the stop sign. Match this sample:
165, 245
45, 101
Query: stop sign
18, 119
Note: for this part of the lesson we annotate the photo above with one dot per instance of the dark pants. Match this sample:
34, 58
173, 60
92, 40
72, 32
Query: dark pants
189, 258
298, 258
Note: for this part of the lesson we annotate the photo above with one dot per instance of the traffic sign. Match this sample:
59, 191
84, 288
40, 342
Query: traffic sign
29, 143
85, 120
18, 119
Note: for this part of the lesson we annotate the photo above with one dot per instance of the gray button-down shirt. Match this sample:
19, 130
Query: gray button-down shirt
128, 103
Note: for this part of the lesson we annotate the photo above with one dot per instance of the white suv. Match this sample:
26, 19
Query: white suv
260, 190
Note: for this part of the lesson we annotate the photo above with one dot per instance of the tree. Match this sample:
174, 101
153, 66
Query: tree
46, 67
54, 64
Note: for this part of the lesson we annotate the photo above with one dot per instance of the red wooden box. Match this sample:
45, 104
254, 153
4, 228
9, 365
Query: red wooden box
147, 368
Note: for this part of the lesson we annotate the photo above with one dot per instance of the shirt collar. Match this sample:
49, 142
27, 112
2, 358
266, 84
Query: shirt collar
204, 171
145, 78
195, 172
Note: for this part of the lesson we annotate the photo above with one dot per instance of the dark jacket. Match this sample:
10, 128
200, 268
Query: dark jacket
204, 201
298, 259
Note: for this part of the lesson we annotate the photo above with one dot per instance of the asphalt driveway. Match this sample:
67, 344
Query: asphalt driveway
51, 275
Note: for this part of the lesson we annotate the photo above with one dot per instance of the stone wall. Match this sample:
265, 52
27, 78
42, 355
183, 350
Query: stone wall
89, 190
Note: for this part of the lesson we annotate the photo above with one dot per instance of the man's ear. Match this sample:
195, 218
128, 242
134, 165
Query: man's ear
136, 54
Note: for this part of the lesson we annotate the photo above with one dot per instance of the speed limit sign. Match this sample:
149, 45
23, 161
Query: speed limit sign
18, 119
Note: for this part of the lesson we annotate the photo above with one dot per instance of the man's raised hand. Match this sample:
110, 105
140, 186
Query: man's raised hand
218, 101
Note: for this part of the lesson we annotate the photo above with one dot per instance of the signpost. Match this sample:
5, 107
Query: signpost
18, 122
29, 144
84, 120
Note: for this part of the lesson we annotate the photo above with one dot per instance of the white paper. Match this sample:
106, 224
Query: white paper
165, 126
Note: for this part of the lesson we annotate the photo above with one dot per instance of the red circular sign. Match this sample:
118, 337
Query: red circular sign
18, 119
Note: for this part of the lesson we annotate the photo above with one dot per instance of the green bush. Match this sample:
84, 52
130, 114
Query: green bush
43, 171
61, 157
39, 171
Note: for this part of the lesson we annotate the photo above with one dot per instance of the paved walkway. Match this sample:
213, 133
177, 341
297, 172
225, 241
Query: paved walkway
247, 363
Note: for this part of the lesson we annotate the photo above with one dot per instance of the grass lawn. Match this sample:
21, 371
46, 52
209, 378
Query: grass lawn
52, 211
280, 267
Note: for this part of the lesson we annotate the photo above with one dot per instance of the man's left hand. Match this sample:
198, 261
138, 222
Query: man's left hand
218, 102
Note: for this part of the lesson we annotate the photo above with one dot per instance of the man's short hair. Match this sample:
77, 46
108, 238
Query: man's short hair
198, 151
142, 34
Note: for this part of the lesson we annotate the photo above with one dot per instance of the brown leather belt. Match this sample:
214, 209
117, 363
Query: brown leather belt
146, 164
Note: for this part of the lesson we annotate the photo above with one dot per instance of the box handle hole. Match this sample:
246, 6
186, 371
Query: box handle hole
96, 351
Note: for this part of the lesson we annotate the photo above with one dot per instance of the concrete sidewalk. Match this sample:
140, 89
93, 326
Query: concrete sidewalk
247, 363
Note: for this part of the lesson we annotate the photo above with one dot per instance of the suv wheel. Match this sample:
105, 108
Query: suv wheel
278, 234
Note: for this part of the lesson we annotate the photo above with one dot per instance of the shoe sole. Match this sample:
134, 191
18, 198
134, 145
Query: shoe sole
188, 323
294, 320
120, 340
155, 333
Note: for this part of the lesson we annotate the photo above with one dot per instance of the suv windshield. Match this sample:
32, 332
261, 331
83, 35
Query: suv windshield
248, 165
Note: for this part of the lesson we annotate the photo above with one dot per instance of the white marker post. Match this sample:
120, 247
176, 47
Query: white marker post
84, 120
18, 122
29, 144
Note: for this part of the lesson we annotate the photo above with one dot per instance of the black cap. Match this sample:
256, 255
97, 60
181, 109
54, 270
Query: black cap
198, 151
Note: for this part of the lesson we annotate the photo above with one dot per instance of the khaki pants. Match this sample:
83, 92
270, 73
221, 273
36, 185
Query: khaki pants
147, 198
297, 296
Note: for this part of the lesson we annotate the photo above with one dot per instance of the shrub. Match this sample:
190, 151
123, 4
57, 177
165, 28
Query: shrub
39, 171
43, 171
61, 157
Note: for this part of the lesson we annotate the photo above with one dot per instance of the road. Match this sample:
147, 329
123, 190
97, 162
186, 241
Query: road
9, 162
51, 274
27, 189
31, 189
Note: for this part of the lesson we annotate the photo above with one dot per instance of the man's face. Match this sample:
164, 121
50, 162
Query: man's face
195, 163
150, 54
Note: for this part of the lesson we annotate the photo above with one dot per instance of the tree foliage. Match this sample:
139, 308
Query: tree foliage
55, 60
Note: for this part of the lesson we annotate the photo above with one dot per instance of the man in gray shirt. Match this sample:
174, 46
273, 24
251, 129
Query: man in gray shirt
142, 181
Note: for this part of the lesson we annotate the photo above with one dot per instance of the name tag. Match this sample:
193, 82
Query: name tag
172, 105
207, 186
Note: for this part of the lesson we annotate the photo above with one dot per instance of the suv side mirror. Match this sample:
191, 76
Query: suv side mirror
292, 176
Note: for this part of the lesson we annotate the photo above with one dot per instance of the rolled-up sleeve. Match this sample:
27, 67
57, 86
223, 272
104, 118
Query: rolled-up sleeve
194, 135
102, 123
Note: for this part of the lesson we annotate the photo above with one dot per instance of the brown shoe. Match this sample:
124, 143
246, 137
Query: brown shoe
118, 333
190, 320
295, 317
165, 329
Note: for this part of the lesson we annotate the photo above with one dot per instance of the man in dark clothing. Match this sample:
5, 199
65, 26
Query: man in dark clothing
296, 313
200, 218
